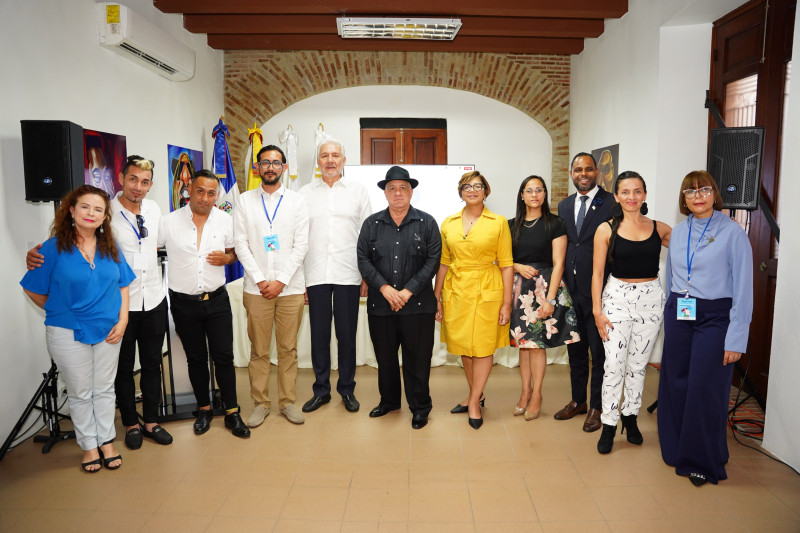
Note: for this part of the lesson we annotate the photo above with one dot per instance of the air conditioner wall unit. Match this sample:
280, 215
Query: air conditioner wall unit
124, 31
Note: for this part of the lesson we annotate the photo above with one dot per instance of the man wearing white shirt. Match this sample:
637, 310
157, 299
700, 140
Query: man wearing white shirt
337, 208
271, 236
199, 242
135, 221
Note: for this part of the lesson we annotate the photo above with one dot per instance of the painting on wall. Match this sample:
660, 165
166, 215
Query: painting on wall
104, 155
607, 166
183, 162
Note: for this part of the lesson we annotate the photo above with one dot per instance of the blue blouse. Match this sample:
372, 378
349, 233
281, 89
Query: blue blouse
722, 268
80, 298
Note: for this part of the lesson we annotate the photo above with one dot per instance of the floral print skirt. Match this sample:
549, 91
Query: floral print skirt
527, 329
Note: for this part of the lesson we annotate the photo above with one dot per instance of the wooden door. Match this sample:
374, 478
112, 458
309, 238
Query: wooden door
403, 141
751, 60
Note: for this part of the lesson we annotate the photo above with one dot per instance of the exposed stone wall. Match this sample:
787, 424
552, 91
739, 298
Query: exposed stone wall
259, 84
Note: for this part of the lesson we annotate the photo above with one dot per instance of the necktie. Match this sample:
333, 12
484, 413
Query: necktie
581, 214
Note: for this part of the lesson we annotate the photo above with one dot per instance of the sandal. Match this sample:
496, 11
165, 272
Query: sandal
107, 461
92, 463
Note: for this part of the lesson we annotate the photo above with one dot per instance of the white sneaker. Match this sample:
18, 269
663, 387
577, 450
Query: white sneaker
293, 414
258, 416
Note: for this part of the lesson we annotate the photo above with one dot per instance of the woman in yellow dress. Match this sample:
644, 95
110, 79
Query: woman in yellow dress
473, 288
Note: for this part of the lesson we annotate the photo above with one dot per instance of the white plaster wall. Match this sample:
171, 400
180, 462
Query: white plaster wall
782, 435
53, 68
505, 144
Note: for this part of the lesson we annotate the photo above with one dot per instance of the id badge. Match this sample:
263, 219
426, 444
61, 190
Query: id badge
687, 309
139, 261
271, 243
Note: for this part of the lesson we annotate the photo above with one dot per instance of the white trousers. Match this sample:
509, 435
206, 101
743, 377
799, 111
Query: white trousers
636, 310
88, 371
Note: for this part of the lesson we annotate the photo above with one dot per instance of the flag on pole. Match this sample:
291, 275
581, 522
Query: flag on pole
256, 142
289, 138
222, 166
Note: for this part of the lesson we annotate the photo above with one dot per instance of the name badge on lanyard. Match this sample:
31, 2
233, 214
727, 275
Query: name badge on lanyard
687, 307
271, 243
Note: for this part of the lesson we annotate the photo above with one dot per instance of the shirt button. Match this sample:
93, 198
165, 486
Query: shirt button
397, 243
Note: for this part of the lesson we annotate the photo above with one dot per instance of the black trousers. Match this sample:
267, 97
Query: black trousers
414, 334
339, 302
579, 354
203, 327
147, 329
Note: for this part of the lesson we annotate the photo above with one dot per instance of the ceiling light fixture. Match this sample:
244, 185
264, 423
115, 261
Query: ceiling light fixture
398, 28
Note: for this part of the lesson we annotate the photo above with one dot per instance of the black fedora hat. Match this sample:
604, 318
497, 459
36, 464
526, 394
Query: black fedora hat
397, 173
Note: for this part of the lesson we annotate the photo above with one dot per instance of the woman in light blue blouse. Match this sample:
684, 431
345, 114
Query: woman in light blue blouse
83, 288
709, 286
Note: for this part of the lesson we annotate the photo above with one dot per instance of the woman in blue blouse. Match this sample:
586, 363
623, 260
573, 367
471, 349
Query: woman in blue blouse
709, 284
83, 288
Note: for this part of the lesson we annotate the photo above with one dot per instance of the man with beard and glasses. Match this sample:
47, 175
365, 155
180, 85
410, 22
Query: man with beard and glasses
583, 212
271, 236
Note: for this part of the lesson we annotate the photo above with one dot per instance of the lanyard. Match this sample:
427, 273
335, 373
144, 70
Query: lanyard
689, 259
133, 227
274, 214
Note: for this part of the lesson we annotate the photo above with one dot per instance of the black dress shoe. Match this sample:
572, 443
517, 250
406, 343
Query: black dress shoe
458, 409
133, 439
159, 434
237, 426
381, 410
350, 403
203, 422
476, 423
315, 403
698, 480
419, 421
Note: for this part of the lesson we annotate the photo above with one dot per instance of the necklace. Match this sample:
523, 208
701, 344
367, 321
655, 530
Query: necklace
531, 225
86, 256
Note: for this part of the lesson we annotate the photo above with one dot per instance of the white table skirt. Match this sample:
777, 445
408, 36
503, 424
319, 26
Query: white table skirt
364, 353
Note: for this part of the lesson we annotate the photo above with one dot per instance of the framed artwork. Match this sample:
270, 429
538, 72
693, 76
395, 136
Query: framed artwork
104, 155
607, 166
183, 162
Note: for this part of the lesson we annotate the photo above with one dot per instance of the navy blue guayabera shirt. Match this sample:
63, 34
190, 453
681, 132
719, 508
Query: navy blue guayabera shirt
404, 257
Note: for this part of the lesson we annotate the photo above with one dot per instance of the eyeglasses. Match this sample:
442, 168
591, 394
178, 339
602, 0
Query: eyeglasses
537, 190
704, 192
265, 163
477, 187
143, 233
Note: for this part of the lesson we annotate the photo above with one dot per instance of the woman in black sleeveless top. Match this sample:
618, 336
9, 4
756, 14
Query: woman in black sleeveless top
629, 310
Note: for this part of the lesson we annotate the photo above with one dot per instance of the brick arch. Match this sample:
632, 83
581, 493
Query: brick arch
260, 84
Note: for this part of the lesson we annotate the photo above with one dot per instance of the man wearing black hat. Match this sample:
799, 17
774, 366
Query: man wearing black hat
399, 250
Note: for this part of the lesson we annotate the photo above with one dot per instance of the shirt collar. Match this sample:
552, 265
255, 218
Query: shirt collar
485, 213
412, 214
280, 192
590, 195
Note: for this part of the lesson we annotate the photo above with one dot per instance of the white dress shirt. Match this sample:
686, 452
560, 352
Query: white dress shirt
289, 215
590, 195
188, 270
147, 290
335, 217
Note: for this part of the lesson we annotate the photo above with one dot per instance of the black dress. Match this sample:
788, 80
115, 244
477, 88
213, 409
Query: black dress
534, 247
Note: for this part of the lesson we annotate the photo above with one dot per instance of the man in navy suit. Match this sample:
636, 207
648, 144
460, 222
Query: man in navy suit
583, 212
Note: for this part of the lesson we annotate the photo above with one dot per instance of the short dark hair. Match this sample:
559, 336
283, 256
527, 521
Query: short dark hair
273, 148
695, 180
205, 173
582, 154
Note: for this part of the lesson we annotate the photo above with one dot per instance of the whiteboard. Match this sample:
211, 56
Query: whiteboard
436, 194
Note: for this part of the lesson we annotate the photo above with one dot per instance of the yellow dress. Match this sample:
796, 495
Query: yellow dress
473, 286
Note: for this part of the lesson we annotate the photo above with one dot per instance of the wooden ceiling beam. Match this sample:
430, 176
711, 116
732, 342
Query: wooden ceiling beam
326, 24
599, 9
285, 42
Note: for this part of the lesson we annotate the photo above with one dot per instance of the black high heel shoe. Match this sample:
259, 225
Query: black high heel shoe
476, 423
458, 409
108, 460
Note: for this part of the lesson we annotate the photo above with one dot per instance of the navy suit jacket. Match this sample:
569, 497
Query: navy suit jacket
580, 248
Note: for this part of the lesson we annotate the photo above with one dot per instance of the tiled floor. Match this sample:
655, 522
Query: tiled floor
347, 472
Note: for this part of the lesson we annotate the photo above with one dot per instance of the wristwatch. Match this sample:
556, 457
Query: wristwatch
551, 302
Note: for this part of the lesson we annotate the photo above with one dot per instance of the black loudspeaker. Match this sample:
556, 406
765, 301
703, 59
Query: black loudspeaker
52, 155
734, 159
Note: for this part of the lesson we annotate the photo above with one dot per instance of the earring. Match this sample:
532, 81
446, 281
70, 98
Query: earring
73, 222
101, 229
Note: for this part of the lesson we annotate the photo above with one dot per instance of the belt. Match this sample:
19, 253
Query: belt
202, 297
